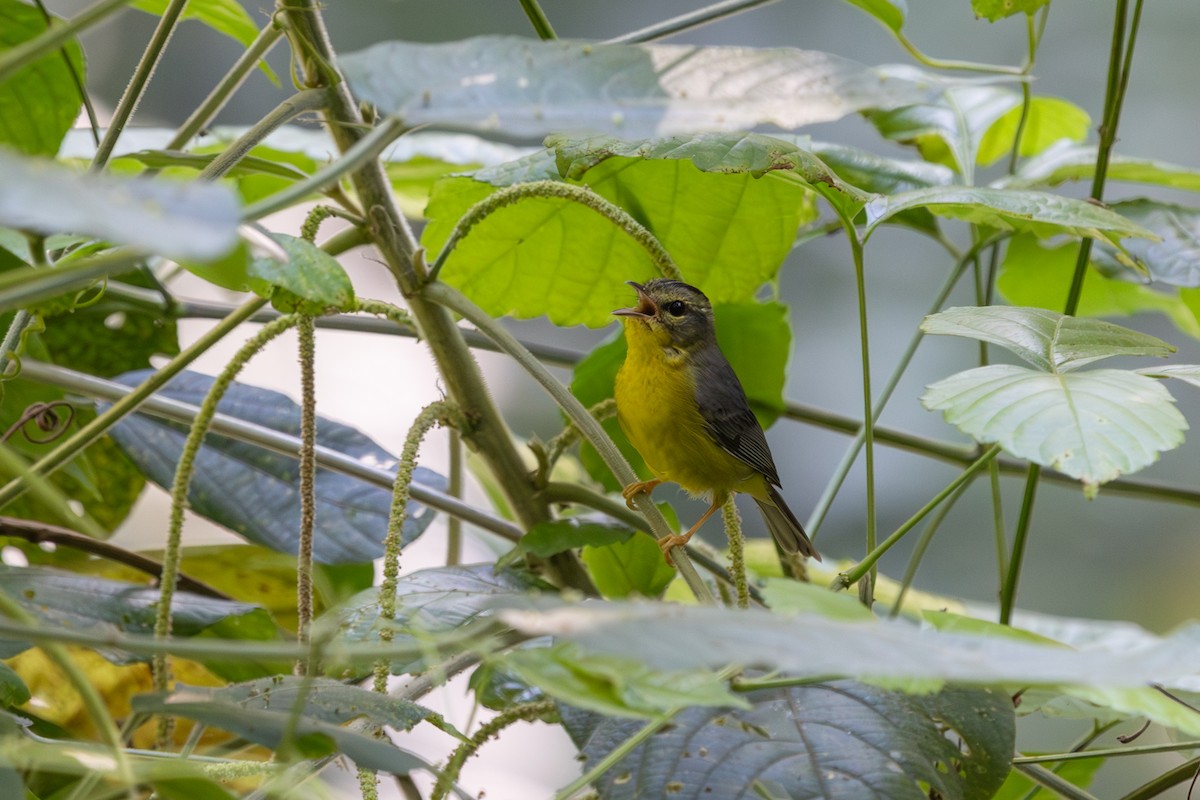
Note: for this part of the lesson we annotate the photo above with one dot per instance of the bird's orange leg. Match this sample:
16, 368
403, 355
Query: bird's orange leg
636, 488
679, 540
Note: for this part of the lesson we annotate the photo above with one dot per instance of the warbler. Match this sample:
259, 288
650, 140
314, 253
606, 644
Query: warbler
682, 406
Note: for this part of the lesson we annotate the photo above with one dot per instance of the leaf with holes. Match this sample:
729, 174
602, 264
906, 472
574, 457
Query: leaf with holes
255, 492
530, 88
1094, 426
1048, 340
836, 740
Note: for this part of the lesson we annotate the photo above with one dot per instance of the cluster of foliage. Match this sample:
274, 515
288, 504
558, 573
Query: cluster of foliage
246, 670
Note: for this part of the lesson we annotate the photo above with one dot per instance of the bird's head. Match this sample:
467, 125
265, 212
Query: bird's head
675, 314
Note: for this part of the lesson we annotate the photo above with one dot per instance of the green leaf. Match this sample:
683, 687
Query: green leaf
223, 16
57, 598
1070, 162
828, 740
630, 568
1094, 426
993, 10
274, 729
13, 691
255, 492
556, 536
1034, 274
877, 174
39, 103
1173, 257
948, 130
1039, 213
530, 88
193, 220
795, 597
615, 686
311, 282
1049, 120
1188, 373
321, 699
890, 13
1048, 340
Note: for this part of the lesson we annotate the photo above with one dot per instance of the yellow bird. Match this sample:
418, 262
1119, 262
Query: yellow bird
684, 409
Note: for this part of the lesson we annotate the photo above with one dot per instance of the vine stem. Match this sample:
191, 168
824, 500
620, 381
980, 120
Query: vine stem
179, 490
1111, 752
866, 590
86, 435
688, 21
1060, 786
538, 19
918, 553
286, 111
846, 579
592, 431
137, 84
614, 756
454, 487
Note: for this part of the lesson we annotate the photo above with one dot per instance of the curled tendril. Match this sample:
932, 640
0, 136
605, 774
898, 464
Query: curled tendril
46, 417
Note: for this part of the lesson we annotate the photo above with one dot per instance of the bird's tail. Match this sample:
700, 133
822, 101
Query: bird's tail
784, 526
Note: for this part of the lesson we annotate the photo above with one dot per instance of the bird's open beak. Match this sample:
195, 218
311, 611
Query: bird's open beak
645, 308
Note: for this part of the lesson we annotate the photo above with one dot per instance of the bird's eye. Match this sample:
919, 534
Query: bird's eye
676, 308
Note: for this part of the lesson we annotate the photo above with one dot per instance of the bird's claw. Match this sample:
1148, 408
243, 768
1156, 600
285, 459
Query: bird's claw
634, 489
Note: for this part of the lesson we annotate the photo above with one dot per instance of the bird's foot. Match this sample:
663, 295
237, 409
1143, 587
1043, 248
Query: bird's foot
674, 540
634, 489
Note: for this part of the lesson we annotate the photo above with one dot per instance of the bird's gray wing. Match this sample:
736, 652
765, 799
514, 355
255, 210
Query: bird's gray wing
727, 415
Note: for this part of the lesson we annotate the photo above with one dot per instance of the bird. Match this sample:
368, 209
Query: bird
682, 407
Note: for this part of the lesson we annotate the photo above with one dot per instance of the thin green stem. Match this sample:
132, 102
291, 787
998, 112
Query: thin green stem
951, 64
688, 21
914, 562
286, 111
72, 446
1110, 752
558, 191
1060, 786
25, 286
538, 19
226, 87
1173, 777
846, 579
588, 426
1012, 576
54, 499
998, 520
308, 468
789, 682
454, 487
16, 330
88, 694
137, 84
866, 589
364, 151
819, 512
614, 756
737, 551
22, 55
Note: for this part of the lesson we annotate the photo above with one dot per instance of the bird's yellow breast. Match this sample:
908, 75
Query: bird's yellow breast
656, 406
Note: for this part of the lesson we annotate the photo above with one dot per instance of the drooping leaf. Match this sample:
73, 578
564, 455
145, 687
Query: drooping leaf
1048, 340
948, 129
615, 686
1034, 274
1073, 162
323, 699
181, 220
530, 88
836, 740
635, 567
39, 103
1039, 213
556, 536
63, 599
223, 16
312, 738
993, 10
1173, 257
1188, 373
1049, 120
1094, 426
890, 13
255, 492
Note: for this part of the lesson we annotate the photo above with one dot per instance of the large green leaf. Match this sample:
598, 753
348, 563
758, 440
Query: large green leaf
181, 220
1174, 256
556, 536
1037, 274
1048, 340
1072, 162
613, 685
528, 88
835, 740
632, 568
1047, 121
1094, 426
223, 16
1039, 213
255, 492
38, 104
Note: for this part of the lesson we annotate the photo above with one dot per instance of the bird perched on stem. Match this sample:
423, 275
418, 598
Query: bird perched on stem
684, 409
